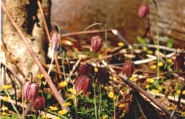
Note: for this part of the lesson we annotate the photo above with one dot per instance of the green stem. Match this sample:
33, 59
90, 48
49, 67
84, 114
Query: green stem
12, 103
157, 31
106, 44
100, 108
63, 68
91, 26
52, 58
54, 113
141, 109
95, 108
114, 109
76, 112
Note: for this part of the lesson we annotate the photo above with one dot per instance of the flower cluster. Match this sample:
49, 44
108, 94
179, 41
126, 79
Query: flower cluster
84, 80
86, 74
31, 91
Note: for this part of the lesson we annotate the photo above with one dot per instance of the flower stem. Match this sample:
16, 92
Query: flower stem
114, 109
95, 108
91, 26
105, 43
141, 109
76, 112
52, 59
100, 108
12, 104
157, 33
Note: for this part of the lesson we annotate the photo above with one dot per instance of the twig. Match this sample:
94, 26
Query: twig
46, 76
46, 66
44, 20
151, 59
115, 32
111, 69
47, 33
111, 66
138, 61
160, 47
169, 97
179, 77
83, 32
58, 67
27, 109
139, 89
75, 66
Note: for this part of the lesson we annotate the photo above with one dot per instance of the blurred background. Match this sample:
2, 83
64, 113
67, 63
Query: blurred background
76, 15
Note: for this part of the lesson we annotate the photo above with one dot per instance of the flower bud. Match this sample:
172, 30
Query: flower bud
128, 69
96, 43
86, 70
179, 63
143, 11
31, 90
103, 76
83, 84
39, 103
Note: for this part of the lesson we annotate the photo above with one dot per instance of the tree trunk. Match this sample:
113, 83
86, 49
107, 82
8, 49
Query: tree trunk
28, 17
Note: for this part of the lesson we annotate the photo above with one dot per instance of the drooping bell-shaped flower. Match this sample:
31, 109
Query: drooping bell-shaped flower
179, 63
96, 43
128, 69
31, 90
55, 38
143, 11
103, 76
86, 70
39, 103
83, 84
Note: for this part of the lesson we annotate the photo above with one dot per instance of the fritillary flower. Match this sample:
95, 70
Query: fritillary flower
103, 76
128, 69
179, 63
143, 11
31, 90
39, 103
96, 43
83, 84
86, 70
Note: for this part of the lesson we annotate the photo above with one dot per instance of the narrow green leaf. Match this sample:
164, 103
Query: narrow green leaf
170, 43
142, 41
48, 95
